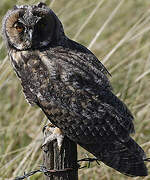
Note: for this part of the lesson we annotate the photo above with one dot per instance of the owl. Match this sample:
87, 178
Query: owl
71, 86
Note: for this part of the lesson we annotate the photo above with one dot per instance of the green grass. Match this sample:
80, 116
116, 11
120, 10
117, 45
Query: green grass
118, 32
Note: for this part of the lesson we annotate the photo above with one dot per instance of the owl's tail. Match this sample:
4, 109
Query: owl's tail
127, 158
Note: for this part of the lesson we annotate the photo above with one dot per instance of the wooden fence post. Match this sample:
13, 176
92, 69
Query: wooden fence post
65, 160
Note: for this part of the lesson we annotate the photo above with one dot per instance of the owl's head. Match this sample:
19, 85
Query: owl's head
31, 27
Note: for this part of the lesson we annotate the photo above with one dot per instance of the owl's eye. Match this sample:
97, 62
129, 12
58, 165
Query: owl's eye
19, 27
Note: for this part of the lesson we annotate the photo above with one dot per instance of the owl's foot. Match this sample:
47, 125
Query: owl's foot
52, 133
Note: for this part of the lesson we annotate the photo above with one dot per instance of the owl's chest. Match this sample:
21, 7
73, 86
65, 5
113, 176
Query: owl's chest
34, 75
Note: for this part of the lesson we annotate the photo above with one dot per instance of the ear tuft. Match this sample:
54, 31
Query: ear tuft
41, 5
15, 7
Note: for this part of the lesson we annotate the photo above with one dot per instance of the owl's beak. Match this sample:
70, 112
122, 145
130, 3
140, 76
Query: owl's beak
30, 35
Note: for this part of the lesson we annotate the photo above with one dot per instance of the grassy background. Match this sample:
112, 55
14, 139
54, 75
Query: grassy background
118, 32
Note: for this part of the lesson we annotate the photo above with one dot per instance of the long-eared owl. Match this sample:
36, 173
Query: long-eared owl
70, 85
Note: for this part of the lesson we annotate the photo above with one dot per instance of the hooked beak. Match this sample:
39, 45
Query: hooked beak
30, 35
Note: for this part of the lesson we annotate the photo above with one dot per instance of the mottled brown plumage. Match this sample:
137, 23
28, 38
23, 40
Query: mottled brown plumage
70, 85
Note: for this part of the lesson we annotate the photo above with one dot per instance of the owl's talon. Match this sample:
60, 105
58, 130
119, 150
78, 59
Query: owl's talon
52, 133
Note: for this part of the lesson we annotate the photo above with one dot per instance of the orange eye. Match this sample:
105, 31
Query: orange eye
19, 28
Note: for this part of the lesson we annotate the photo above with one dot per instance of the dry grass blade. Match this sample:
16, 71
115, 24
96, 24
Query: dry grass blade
88, 19
142, 75
105, 24
127, 37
